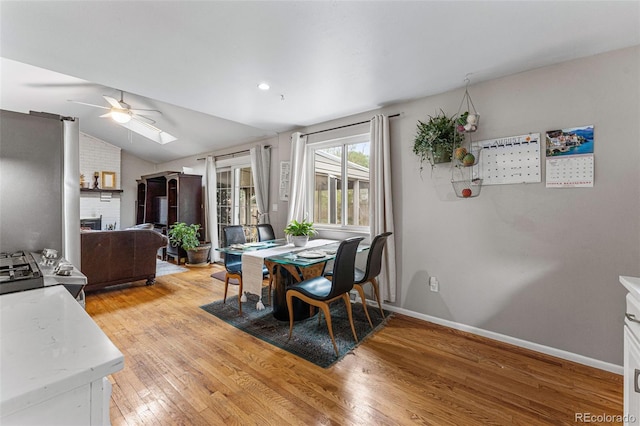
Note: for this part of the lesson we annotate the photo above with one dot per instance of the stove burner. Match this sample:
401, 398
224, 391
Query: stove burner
19, 271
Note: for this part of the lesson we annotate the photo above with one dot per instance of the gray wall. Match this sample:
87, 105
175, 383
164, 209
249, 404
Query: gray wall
537, 264
132, 168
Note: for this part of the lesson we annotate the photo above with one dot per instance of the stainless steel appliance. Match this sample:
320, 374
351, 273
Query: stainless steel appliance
19, 271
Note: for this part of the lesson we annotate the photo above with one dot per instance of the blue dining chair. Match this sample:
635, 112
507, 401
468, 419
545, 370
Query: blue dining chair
320, 292
233, 234
265, 233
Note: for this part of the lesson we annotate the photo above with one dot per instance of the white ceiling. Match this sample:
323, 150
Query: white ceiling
199, 62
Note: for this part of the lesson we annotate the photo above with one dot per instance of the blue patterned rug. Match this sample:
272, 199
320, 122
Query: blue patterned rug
310, 340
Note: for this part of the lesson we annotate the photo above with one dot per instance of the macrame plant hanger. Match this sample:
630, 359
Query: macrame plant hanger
466, 156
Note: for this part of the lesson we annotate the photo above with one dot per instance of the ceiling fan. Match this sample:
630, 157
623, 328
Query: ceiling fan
133, 119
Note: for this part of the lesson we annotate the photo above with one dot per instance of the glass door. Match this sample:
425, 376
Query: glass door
237, 201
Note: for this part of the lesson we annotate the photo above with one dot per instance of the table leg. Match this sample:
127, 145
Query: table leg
285, 276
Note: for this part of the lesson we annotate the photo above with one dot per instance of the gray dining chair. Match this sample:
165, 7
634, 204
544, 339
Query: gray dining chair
320, 292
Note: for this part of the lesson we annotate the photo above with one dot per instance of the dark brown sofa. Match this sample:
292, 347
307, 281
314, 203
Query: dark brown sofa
116, 257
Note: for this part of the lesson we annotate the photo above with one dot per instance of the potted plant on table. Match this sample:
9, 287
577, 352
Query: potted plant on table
300, 232
186, 237
436, 139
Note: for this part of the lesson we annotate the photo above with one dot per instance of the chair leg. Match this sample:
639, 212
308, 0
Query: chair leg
226, 287
290, 308
325, 309
360, 290
347, 302
239, 294
374, 283
270, 285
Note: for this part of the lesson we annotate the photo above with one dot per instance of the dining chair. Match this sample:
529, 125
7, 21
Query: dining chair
265, 233
233, 234
369, 275
320, 292
371, 271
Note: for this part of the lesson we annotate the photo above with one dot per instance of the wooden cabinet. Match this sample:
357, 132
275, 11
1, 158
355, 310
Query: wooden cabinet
169, 197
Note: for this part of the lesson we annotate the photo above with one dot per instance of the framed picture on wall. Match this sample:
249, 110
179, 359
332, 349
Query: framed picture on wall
108, 180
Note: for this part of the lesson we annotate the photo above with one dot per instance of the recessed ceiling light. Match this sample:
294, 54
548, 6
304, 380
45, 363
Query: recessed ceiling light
263, 86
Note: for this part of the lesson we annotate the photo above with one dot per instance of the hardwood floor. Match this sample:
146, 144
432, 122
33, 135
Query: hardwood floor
184, 366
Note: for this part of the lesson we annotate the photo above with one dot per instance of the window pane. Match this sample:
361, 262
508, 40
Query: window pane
224, 192
358, 184
327, 165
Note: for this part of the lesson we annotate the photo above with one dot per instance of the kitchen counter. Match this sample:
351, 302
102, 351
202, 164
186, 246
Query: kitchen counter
54, 360
632, 284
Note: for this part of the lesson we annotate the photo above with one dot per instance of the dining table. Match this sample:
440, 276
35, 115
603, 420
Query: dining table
288, 264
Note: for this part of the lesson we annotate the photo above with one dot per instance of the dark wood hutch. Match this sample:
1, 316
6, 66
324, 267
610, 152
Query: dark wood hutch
165, 198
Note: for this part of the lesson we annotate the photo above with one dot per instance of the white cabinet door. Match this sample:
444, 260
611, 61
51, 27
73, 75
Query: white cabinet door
631, 377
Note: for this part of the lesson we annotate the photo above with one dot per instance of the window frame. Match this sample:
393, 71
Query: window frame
234, 165
310, 181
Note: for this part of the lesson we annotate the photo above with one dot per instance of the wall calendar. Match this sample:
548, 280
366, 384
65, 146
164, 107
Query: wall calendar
514, 159
570, 157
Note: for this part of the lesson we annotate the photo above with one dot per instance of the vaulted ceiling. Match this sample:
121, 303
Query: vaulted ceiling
199, 62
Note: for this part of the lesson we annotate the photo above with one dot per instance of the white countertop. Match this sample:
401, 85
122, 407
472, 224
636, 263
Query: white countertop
632, 284
49, 345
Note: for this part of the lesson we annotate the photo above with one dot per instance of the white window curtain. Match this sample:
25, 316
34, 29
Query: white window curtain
211, 206
297, 177
260, 166
380, 203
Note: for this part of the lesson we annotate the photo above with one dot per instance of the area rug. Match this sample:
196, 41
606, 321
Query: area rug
166, 268
310, 340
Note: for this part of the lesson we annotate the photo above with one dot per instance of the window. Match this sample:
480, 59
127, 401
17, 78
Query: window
339, 182
237, 199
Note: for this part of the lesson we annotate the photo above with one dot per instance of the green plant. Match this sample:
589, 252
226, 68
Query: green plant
183, 235
298, 229
436, 139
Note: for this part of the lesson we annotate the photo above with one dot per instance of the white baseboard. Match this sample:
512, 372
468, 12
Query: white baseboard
570, 356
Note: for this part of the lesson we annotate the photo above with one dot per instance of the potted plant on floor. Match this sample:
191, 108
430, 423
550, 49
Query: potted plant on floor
436, 139
300, 232
186, 237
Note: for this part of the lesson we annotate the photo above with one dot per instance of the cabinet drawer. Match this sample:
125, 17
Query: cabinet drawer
632, 314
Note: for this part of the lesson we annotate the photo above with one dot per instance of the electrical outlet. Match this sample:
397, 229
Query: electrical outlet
434, 285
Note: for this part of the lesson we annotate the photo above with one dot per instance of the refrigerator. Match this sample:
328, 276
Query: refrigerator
39, 183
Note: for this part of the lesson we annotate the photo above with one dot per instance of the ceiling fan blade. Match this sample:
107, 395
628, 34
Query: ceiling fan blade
142, 118
145, 111
107, 115
113, 102
91, 105
148, 131
62, 85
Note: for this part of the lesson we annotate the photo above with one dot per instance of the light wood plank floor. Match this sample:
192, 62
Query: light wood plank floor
184, 366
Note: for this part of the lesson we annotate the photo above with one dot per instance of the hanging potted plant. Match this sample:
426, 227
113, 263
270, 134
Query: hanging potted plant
436, 139
300, 232
186, 237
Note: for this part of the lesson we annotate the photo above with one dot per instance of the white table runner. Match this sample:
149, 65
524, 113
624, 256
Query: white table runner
252, 262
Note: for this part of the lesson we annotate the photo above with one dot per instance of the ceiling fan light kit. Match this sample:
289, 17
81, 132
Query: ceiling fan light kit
120, 116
